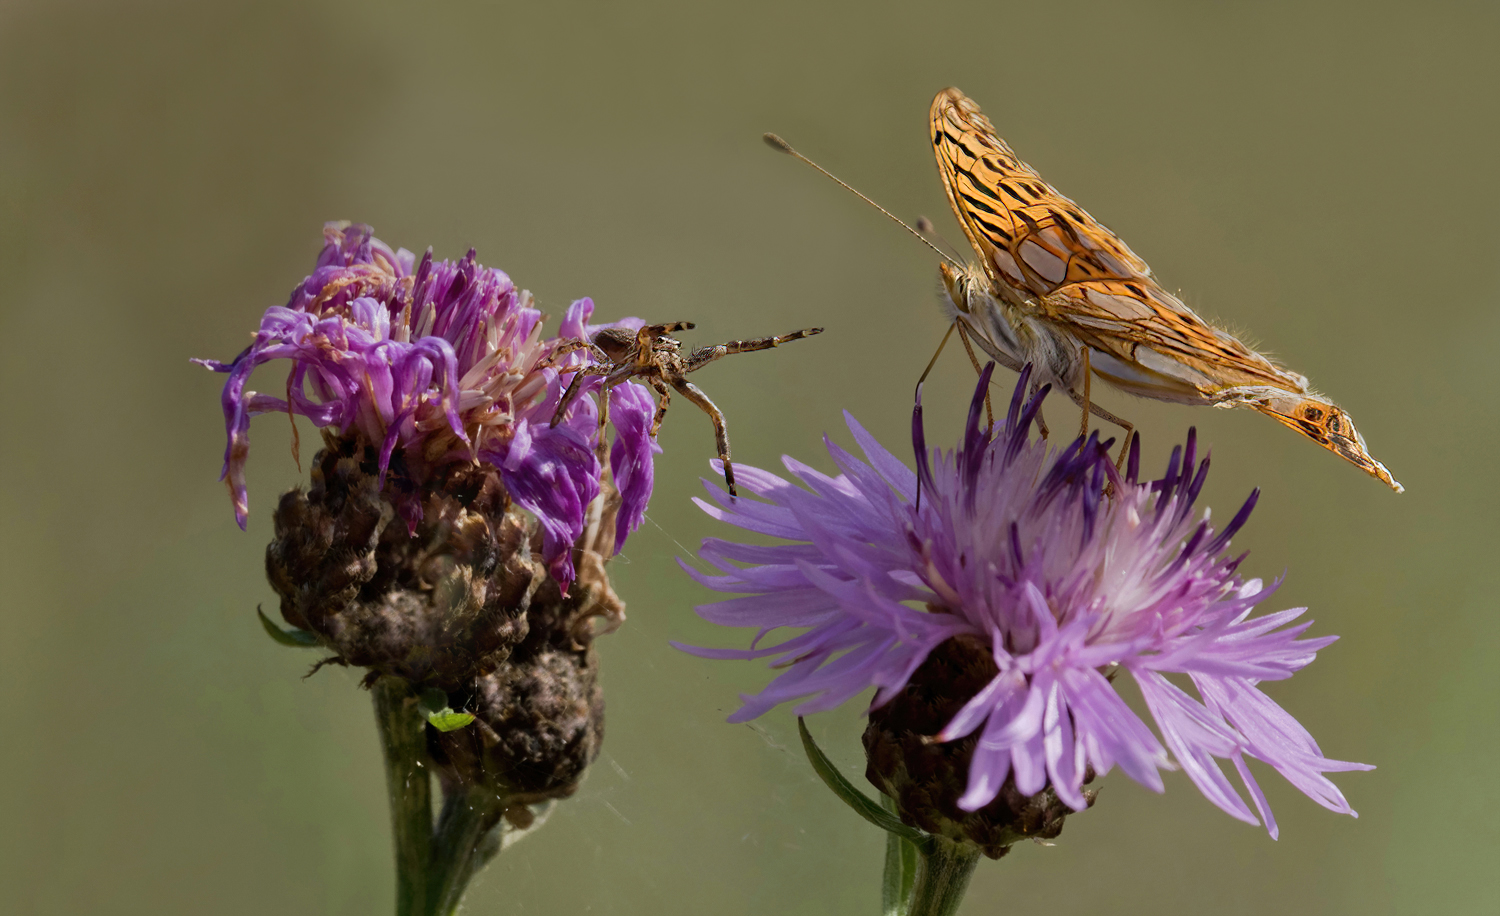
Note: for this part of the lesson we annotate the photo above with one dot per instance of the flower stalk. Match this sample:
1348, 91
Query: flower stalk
460, 847
900, 874
404, 747
434, 862
925, 875
943, 872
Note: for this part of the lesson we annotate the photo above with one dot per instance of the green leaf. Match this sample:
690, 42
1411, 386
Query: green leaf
850, 795
433, 704
300, 639
900, 869
446, 720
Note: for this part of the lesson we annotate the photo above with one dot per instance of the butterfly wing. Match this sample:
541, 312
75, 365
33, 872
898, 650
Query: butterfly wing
1030, 239
1044, 253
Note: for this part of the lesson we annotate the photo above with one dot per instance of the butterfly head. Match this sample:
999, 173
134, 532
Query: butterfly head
968, 288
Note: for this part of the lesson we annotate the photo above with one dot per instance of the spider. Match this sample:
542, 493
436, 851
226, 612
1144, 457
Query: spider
653, 355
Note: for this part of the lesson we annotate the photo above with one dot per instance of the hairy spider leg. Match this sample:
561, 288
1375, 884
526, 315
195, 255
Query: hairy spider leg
566, 348
721, 431
661, 404
671, 327
619, 376
705, 355
573, 389
645, 347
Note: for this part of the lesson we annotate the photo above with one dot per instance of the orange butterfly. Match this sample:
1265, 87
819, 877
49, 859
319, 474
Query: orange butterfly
1057, 289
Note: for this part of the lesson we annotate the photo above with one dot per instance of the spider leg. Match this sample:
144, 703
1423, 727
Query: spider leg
565, 348
721, 432
705, 355
644, 355
672, 327
619, 376
661, 404
573, 389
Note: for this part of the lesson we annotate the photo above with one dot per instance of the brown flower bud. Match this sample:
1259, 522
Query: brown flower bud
438, 606
926, 778
539, 717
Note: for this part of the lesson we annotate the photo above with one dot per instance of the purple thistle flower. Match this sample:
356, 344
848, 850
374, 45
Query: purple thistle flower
1069, 573
436, 363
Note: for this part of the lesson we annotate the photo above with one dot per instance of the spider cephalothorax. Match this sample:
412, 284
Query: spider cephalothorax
653, 355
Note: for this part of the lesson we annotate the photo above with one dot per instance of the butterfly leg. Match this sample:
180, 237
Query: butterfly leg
665, 396
933, 362
721, 431
1083, 426
989, 410
705, 355
1041, 424
1108, 417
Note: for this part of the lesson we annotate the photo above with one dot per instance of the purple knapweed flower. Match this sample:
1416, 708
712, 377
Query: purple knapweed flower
436, 363
1065, 570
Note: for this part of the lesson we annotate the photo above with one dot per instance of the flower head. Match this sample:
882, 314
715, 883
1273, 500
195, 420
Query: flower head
1065, 571
436, 363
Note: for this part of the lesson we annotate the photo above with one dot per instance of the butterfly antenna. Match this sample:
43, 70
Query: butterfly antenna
925, 226
777, 143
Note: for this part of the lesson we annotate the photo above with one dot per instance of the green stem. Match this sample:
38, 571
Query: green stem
461, 845
403, 744
943, 872
900, 869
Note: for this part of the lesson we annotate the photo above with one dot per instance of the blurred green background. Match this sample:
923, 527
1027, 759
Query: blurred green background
1320, 176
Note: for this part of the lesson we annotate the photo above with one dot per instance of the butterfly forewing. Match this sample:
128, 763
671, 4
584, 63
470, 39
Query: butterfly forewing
1028, 236
1047, 257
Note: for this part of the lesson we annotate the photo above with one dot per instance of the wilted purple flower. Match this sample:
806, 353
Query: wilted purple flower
439, 364
1069, 573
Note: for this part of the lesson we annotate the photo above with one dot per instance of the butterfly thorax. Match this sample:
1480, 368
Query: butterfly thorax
1011, 329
